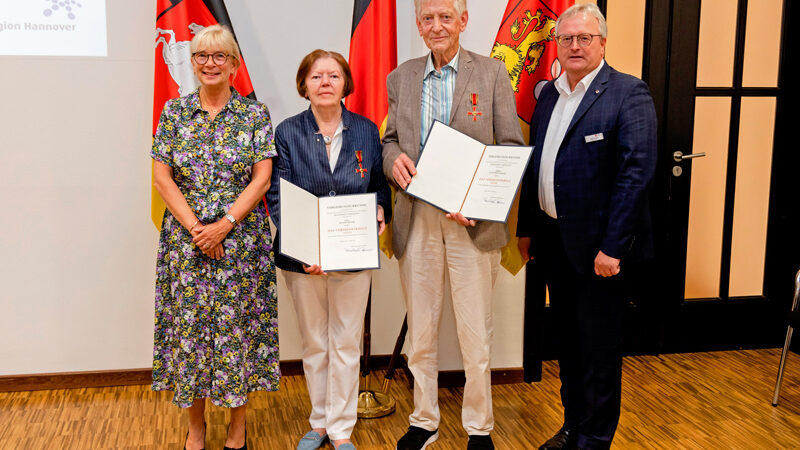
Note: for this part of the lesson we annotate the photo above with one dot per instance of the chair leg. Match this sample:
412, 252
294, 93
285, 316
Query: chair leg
781, 365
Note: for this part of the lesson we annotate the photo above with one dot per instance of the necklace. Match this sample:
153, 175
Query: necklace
327, 139
211, 110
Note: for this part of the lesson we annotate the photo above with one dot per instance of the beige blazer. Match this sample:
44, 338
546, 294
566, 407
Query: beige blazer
498, 123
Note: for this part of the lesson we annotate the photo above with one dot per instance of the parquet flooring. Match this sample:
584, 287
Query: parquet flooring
702, 400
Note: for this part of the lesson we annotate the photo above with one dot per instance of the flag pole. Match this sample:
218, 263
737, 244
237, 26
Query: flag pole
371, 403
373, 54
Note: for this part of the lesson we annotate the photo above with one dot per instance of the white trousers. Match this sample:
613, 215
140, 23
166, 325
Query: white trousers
436, 243
330, 313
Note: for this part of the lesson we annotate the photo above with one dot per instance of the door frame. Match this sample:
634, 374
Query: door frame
724, 322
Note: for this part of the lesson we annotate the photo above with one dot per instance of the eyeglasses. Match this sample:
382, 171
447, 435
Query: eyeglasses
219, 58
584, 40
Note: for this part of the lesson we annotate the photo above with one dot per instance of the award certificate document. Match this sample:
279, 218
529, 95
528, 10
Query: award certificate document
336, 233
457, 173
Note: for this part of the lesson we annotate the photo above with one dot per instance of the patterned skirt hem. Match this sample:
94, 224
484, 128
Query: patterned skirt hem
234, 401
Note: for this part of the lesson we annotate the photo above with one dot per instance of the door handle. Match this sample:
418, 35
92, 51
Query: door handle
679, 156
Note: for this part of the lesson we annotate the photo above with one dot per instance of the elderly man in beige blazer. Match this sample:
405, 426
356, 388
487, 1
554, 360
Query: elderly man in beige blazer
472, 94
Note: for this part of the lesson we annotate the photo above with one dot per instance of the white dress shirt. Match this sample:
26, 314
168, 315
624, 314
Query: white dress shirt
567, 104
336, 146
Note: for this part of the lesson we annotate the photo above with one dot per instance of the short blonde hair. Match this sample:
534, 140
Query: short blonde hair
459, 5
216, 36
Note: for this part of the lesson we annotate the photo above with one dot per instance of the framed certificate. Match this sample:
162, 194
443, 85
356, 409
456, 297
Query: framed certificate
457, 173
335, 233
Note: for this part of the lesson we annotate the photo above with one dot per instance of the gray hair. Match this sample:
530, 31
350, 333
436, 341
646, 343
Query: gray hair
589, 9
459, 5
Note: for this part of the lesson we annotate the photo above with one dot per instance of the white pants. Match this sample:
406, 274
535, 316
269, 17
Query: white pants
436, 243
330, 313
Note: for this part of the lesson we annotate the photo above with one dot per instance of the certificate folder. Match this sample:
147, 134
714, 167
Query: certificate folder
457, 173
335, 233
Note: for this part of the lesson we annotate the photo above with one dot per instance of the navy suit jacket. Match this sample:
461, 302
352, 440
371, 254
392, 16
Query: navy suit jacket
601, 187
303, 160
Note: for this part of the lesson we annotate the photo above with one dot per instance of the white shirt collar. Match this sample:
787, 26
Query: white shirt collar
562, 84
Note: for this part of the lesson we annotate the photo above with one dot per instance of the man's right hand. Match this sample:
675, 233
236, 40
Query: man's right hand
402, 170
524, 246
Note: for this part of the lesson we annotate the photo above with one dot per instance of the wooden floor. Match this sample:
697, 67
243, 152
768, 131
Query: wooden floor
705, 400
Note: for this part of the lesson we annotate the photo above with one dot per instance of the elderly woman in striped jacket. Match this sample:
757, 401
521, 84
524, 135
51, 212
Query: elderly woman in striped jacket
328, 150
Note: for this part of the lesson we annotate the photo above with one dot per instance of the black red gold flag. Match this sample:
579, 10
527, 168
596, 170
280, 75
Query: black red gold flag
373, 54
177, 21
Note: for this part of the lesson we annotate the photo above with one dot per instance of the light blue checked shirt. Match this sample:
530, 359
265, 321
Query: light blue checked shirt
437, 95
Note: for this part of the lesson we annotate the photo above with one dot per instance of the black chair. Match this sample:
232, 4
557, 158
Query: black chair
794, 322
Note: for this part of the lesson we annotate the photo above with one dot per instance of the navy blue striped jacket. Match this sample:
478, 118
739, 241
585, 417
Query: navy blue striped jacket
303, 160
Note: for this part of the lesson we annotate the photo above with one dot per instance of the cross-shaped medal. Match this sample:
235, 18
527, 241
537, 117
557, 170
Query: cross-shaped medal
361, 170
474, 113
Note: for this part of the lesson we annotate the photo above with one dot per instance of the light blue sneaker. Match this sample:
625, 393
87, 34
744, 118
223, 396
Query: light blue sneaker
346, 446
311, 441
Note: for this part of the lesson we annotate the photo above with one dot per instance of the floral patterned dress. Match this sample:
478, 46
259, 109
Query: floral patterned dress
216, 321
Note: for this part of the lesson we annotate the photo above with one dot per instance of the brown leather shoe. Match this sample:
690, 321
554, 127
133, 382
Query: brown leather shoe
565, 439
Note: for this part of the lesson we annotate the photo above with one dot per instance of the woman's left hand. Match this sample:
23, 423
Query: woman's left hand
212, 234
381, 220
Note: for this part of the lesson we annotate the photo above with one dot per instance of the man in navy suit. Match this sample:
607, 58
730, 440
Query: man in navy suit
584, 217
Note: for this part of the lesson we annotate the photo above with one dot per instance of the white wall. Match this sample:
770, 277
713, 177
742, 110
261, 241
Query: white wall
78, 246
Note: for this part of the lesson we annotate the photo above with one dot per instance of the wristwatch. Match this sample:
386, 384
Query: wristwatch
231, 219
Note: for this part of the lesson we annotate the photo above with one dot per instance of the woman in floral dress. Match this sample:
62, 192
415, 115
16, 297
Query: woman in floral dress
216, 323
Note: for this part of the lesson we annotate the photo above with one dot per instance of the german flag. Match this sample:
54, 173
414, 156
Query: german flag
373, 54
177, 21
525, 43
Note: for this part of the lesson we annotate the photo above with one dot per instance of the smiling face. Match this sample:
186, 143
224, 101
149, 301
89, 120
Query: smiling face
215, 75
325, 83
440, 25
579, 61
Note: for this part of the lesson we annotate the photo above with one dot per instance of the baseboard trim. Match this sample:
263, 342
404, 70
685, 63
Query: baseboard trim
456, 378
130, 377
75, 380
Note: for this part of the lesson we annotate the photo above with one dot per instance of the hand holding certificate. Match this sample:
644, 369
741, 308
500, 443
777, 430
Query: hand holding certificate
335, 233
457, 173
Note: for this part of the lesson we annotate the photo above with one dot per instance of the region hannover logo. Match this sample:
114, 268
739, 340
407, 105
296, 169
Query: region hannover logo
68, 7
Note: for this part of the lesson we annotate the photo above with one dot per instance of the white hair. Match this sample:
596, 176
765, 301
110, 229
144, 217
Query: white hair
589, 9
459, 5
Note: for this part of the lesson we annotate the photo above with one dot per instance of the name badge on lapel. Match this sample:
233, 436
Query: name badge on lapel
593, 137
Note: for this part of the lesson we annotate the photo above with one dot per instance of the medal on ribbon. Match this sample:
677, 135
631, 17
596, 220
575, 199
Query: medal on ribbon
474, 113
361, 170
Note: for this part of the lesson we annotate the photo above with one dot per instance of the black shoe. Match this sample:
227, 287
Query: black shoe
417, 438
244, 447
480, 442
564, 439
187, 437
